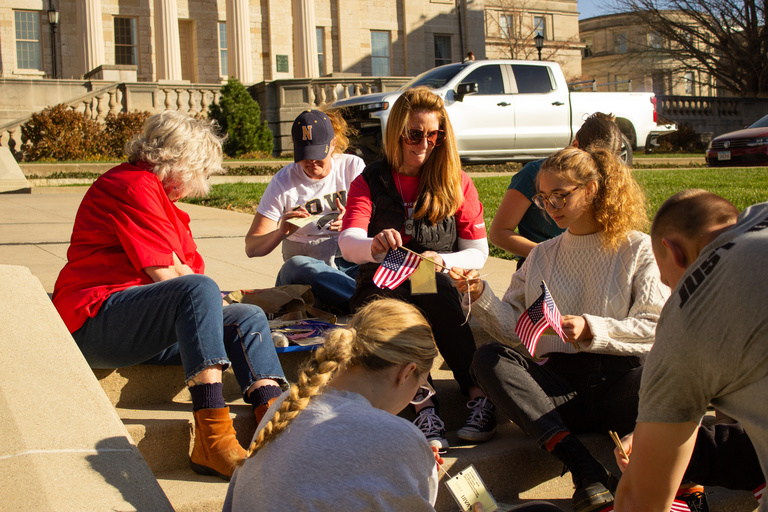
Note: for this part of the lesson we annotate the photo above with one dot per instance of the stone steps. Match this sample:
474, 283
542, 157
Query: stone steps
156, 411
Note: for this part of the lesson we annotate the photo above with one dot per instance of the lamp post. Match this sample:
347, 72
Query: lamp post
539, 42
53, 21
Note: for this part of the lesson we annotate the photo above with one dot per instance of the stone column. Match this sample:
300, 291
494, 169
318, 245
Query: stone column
305, 39
167, 47
91, 30
239, 53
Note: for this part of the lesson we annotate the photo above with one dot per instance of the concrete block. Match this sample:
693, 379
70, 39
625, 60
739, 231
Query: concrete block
63, 443
147, 385
12, 180
190, 492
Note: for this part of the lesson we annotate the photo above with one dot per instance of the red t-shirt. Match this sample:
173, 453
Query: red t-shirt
125, 223
469, 217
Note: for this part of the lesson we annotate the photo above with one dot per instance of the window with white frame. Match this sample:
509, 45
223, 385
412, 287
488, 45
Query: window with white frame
505, 24
655, 41
320, 32
125, 42
223, 63
442, 49
688, 82
540, 26
379, 53
28, 47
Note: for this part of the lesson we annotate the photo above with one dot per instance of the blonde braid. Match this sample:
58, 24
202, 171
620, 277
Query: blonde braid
313, 377
382, 334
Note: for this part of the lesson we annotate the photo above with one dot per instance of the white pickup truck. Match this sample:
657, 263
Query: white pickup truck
508, 110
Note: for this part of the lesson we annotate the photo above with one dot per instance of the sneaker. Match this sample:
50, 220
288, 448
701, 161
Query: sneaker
694, 499
481, 424
433, 427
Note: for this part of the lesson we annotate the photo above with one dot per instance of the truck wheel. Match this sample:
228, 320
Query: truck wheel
626, 151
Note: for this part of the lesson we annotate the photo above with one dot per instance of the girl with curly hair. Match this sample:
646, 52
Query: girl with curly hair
603, 277
347, 396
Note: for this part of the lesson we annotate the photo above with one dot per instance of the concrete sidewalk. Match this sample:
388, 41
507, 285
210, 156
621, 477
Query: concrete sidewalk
35, 230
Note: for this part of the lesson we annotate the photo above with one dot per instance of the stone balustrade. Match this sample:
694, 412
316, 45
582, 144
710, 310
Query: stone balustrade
280, 100
711, 114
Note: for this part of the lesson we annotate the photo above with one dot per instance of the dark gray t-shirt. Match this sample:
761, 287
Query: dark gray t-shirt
712, 338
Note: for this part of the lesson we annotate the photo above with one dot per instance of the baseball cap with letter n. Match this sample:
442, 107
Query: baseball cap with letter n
312, 134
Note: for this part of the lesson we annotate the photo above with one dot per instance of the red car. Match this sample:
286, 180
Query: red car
742, 147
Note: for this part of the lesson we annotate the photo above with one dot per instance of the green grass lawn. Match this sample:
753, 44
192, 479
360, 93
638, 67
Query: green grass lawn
742, 187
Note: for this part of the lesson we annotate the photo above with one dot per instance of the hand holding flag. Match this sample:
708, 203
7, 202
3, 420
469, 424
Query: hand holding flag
542, 314
397, 266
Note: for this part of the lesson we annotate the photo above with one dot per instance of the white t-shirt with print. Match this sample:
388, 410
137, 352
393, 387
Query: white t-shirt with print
291, 188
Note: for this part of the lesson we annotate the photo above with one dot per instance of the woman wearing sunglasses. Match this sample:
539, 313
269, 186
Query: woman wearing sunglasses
419, 197
603, 277
334, 439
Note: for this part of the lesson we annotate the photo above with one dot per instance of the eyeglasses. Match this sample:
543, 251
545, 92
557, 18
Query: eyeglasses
425, 392
556, 200
414, 137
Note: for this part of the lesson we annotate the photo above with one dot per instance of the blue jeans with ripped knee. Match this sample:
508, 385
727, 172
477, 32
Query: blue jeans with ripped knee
181, 321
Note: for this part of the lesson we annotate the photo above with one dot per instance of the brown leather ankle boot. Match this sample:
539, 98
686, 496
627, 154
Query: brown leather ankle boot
216, 451
261, 410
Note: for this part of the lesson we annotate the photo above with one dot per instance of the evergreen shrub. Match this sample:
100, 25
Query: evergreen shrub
239, 117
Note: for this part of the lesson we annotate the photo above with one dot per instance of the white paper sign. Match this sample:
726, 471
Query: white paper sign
468, 488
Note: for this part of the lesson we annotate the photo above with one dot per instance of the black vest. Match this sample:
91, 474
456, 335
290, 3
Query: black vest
389, 212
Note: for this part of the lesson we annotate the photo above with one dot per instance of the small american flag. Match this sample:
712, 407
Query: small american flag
677, 506
759, 493
397, 266
534, 321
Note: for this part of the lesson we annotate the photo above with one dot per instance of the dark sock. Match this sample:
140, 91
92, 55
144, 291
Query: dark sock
207, 396
263, 395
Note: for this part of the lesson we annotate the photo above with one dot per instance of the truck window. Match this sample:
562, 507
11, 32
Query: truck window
487, 78
434, 78
532, 79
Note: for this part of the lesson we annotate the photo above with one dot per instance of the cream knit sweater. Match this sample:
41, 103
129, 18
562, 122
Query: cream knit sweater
618, 292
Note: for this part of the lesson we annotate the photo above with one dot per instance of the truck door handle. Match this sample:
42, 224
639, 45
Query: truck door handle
558, 103
503, 104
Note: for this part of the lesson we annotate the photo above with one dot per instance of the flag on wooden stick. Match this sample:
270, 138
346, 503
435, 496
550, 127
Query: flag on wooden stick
542, 314
397, 266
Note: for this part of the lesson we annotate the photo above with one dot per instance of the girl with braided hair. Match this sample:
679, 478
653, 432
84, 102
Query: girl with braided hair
602, 275
323, 441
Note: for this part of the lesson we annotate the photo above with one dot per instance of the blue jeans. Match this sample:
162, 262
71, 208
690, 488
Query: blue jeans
330, 286
181, 321
582, 392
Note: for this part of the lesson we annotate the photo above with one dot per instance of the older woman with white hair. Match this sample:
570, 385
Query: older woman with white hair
133, 289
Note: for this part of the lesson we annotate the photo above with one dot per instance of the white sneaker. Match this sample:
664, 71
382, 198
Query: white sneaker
433, 427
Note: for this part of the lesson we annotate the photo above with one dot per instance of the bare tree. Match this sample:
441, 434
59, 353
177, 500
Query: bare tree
511, 31
725, 39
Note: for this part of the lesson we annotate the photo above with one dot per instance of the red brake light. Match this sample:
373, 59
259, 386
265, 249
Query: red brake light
653, 102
